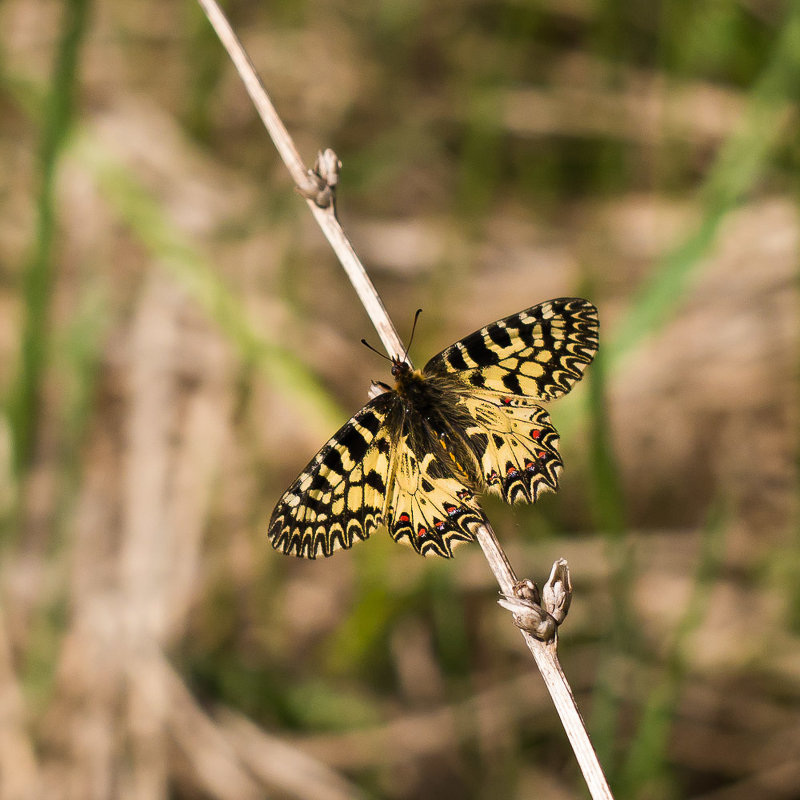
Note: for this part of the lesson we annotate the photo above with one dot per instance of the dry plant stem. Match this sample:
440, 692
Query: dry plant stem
546, 656
308, 185
373, 305
305, 182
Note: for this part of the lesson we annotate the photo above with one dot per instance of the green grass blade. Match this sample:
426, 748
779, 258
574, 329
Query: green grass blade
37, 277
646, 763
740, 163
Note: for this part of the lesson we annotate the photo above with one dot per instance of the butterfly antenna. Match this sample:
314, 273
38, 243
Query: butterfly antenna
370, 347
413, 329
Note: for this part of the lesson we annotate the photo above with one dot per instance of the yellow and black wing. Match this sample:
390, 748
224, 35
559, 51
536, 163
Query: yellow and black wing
430, 506
538, 353
383, 466
339, 498
516, 445
499, 372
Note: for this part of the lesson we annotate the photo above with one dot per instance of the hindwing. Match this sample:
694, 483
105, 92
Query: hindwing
430, 506
516, 444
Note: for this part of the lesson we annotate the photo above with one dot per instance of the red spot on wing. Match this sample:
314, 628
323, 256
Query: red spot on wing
512, 470
541, 454
423, 531
506, 401
535, 433
404, 518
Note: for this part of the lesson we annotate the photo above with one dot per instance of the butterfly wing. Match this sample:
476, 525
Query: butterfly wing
340, 496
497, 373
383, 465
538, 353
516, 445
429, 507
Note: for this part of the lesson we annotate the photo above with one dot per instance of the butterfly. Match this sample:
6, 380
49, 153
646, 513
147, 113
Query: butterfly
415, 457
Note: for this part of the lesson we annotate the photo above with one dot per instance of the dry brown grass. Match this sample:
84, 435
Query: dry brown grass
152, 645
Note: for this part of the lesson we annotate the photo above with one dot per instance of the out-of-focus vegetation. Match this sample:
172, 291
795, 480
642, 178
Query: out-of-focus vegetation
177, 340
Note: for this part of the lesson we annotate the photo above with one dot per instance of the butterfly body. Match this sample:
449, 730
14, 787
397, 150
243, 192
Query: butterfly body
415, 457
431, 405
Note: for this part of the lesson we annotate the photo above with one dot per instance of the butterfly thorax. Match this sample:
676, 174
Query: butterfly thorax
412, 386
424, 396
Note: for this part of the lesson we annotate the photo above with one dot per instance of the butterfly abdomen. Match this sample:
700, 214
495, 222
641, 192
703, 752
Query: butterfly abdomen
432, 408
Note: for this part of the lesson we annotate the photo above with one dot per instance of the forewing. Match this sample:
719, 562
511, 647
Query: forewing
540, 352
339, 497
429, 508
516, 445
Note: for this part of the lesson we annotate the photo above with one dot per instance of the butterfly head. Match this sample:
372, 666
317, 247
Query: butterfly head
410, 384
400, 369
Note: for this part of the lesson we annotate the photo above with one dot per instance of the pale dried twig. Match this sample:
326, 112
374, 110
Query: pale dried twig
310, 183
281, 766
318, 187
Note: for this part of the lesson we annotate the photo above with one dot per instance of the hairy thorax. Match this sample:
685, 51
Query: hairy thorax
424, 397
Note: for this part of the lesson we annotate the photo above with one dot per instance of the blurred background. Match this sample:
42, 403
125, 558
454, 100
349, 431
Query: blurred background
177, 341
